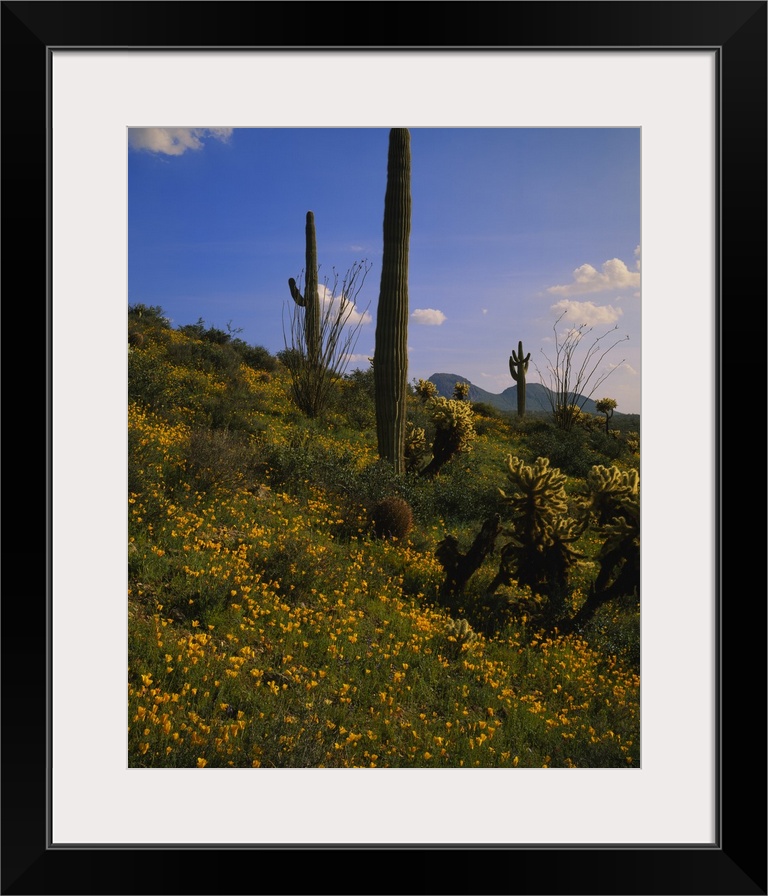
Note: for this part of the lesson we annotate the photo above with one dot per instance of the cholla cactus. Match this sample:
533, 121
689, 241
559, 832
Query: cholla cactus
425, 389
540, 500
610, 490
619, 561
541, 550
461, 392
415, 446
455, 417
606, 406
454, 430
460, 635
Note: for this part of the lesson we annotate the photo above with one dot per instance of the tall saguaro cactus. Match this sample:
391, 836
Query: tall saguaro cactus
390, 358
518, 367
310, 301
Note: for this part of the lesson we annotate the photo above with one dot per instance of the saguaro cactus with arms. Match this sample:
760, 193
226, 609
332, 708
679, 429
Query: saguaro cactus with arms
518, 367
310, 301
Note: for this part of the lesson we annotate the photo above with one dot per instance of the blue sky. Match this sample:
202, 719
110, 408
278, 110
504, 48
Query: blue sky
511, 228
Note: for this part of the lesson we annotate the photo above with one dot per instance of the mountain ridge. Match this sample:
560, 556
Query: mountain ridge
537, 396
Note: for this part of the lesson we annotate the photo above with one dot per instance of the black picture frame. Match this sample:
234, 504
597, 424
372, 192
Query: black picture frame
736, 863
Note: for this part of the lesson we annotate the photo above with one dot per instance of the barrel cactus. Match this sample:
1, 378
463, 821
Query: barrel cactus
392, 518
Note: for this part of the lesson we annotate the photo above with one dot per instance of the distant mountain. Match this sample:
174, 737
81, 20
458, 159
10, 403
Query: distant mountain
537, 396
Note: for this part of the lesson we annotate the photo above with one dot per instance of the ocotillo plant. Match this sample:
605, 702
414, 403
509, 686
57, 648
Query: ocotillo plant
518, 367
390, 358
310, 301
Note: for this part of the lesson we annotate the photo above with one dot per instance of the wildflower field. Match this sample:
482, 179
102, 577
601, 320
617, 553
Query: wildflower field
271, 625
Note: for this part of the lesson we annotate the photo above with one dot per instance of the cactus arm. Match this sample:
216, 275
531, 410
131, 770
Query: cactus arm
390, 359
295, 294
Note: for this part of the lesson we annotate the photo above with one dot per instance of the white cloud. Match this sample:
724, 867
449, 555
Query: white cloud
586, 279
627, 367
637, 257
351, 315
429, 317
586, 313
173, 141
357, 361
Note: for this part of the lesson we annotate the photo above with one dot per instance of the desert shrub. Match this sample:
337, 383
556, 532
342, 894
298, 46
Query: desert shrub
608, 446
217, 458
204, 355
351, 401
462, 493
255, 356
614, 630
377, 480
307, 460
147, 317
491, 421
148, 382
533, 422
234, 408
483, 409
569, 450
199, 331
392, 518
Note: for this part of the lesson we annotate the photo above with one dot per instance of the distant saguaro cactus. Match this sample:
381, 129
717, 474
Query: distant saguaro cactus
518, 367
310, 301
390, 359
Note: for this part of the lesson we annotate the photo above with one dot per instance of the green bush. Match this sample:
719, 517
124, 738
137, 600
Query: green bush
306, 462
148, 380
255, 356
569, 450
462, 493
355, 400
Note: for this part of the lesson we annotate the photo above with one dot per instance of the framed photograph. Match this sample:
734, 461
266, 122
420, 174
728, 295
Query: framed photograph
690, 79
